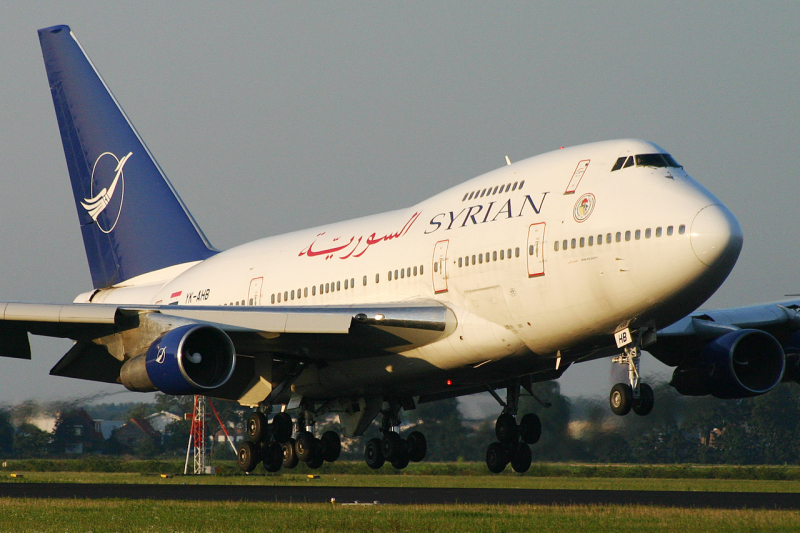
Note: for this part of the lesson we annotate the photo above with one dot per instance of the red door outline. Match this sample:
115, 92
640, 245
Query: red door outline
536, 249
439, 267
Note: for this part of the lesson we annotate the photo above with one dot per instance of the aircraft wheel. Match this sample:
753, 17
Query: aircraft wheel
257, 427
644, 404
521, 457
273, 457
496, 457
506, 428
331, 446
290, 459
417, 446
401, 460
373, 454
304, 446
530, 428
316, 460
247, 456
282, 427
621, 399
392, 446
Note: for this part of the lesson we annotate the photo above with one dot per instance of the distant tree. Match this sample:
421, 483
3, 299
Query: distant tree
30, 441
442, 424
6, 433
176, 435
140, 410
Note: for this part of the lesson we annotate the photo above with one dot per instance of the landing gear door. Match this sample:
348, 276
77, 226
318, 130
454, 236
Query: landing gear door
536, 250
254, 294
439, 270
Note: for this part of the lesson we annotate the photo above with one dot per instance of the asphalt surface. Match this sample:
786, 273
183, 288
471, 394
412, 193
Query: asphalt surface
391, 495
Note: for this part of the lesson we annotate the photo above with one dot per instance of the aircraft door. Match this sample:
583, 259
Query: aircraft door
439, 270
536, 250
254, 294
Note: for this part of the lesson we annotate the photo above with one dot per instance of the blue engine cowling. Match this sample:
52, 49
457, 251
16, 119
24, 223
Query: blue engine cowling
186, 360
739, 364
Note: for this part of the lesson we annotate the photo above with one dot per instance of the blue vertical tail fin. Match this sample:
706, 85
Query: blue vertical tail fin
132, 220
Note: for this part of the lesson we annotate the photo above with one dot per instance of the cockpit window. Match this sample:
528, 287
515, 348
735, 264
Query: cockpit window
656, 160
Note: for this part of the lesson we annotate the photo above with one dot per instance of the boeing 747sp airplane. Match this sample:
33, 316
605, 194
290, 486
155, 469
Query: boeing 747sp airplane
502, 281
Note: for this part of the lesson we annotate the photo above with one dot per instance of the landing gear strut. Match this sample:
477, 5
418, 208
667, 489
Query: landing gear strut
633, 395
514, 439
392, 447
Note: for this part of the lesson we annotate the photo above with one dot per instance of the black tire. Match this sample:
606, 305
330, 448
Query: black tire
644, 404
316, 461
530, 429
373, 455
290, 459
392, 446
521, 457
496, 457
257, 427
417, 446
331, 446
621, 399
282, 427
401, 461
247, 456
273, 457
506, 429
304, 446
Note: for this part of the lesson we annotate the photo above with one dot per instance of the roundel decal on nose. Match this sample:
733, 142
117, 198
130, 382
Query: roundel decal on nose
583, 207
108, 191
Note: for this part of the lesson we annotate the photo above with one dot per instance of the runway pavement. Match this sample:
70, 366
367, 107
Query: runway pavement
391, 495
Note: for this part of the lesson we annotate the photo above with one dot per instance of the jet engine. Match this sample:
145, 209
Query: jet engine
739, 364
189, 359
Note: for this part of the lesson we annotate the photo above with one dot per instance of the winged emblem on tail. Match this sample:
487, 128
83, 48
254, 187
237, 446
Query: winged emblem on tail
97, 204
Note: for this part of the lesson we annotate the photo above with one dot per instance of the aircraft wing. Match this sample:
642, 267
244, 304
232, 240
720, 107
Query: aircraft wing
339, 332
685, 339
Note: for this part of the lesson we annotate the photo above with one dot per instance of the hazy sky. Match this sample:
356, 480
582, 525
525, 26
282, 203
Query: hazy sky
269, 117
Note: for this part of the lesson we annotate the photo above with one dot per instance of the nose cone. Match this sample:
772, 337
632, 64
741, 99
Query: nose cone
716, 236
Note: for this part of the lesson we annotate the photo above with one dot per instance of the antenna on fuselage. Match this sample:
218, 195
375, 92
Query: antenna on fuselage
508, 161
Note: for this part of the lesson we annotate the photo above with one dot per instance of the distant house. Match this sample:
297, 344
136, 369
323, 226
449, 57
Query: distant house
75, 432
107, 427
134, 432
159, 421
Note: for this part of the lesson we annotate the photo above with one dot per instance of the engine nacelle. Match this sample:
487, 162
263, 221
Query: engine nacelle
189, 359
739, 364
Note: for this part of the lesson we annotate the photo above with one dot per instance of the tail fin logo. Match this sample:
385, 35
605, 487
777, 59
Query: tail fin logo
107, 176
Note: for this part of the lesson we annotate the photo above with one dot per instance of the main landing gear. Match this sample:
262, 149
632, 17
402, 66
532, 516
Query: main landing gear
513, 440
633, 395
272, 443
392, 447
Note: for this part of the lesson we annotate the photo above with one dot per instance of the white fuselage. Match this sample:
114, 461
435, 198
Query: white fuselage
568, 253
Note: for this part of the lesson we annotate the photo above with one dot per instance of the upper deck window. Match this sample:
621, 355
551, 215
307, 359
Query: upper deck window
656, 160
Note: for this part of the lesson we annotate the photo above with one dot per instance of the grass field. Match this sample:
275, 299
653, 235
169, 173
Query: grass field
116, 515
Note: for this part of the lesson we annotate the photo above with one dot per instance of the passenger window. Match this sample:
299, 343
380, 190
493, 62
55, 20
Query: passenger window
600, 239
389, 275
480, 258
272, 299
285, 296
619, 236
327, 288
483, 192
508, 188
466, 261
395, 275
251, 302
470, 195
647, 233
591, 240
313, 290
564, 244
495, 190
338, 285
460, 262
555, 247
508, 254
574, 242
628, 235
487, 257
530, 249
279, 299
365, 281
435, 269
465, 197
521, 183
494, 256
402, 272
514, 188
638, 234
415, 271
408, 272
420, 270
473, 260
502, 255
516, 251
608, 238
669, 231
377, 278
582, 241
658, 232
681, 229
305, 292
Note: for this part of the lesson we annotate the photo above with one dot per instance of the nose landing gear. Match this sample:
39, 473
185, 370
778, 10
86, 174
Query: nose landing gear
633, 395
